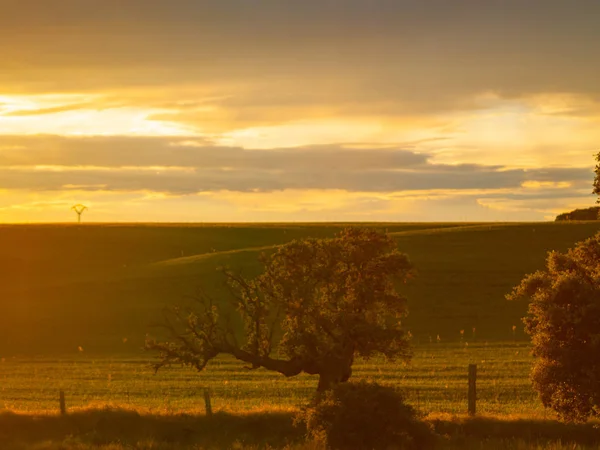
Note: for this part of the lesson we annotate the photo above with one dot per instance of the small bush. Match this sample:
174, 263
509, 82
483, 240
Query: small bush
364, 416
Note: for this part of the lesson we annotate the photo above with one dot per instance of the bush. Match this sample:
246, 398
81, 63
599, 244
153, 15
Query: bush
564, 322
364, 416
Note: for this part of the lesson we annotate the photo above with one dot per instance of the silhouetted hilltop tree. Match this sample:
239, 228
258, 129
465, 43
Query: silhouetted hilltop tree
580, 214
587, 213
330, 300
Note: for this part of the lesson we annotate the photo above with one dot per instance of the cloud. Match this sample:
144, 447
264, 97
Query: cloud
193, 152
184, 166
43, 111
510, 86
274, 62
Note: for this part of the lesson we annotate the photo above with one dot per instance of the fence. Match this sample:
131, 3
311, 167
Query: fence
422, 399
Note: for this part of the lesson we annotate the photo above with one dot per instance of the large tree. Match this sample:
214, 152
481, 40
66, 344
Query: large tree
564, 322
317, 305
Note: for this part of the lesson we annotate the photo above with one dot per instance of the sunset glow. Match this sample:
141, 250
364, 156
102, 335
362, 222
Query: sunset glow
232, 112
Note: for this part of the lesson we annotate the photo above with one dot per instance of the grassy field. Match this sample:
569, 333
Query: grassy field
435, 382
77, 301
99, 287
119, 403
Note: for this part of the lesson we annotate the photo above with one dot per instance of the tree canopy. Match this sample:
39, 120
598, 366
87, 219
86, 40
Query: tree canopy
564, 322
597, 178
328, 300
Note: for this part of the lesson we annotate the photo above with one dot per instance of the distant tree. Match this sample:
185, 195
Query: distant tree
586, 213
564, 322
580, 214
329, 299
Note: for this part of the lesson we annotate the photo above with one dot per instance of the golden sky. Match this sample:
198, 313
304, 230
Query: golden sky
231, 110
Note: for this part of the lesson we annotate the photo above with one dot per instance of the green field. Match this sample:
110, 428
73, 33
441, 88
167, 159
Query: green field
99, 287
76, 303
435, 382
119, 403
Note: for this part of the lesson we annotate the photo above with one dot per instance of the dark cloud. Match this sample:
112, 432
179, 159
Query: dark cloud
354, 57
180, 166
252, 180
119, 151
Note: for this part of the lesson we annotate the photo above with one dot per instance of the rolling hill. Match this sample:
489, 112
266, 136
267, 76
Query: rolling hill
99, 287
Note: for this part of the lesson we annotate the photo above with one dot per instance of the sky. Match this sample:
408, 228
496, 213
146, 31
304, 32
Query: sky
287, 110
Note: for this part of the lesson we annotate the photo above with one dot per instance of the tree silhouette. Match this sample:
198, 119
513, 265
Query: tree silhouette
79, 210
597, 178
329, 299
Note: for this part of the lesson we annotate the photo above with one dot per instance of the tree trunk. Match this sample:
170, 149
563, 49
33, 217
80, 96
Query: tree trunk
334, 373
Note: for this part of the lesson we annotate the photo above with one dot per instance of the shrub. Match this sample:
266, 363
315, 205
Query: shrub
364, 415
564, 322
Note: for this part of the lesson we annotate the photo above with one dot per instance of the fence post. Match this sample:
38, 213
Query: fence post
61, 399
207, 403
472, 389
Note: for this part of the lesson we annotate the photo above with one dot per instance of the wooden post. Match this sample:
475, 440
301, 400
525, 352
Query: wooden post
63, 407
207, 404
472, 389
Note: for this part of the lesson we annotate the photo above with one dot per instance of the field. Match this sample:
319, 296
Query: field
77, 301
119, 403
99, 287
435, 382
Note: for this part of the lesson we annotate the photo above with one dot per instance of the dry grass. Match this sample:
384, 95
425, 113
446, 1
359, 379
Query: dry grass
105, 427
436, 381
120, 429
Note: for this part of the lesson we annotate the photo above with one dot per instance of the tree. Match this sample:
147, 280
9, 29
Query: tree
597, 178
564, 322
329, 300
592, 213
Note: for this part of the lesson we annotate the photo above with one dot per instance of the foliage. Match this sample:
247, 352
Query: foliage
580, 214
597, 177
331, 300
564, 322
364, 415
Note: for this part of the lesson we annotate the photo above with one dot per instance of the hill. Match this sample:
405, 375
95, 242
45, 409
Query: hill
98, 287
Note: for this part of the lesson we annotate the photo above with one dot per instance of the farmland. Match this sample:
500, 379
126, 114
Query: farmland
77, 301
118, 403
433, 382
99, 287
